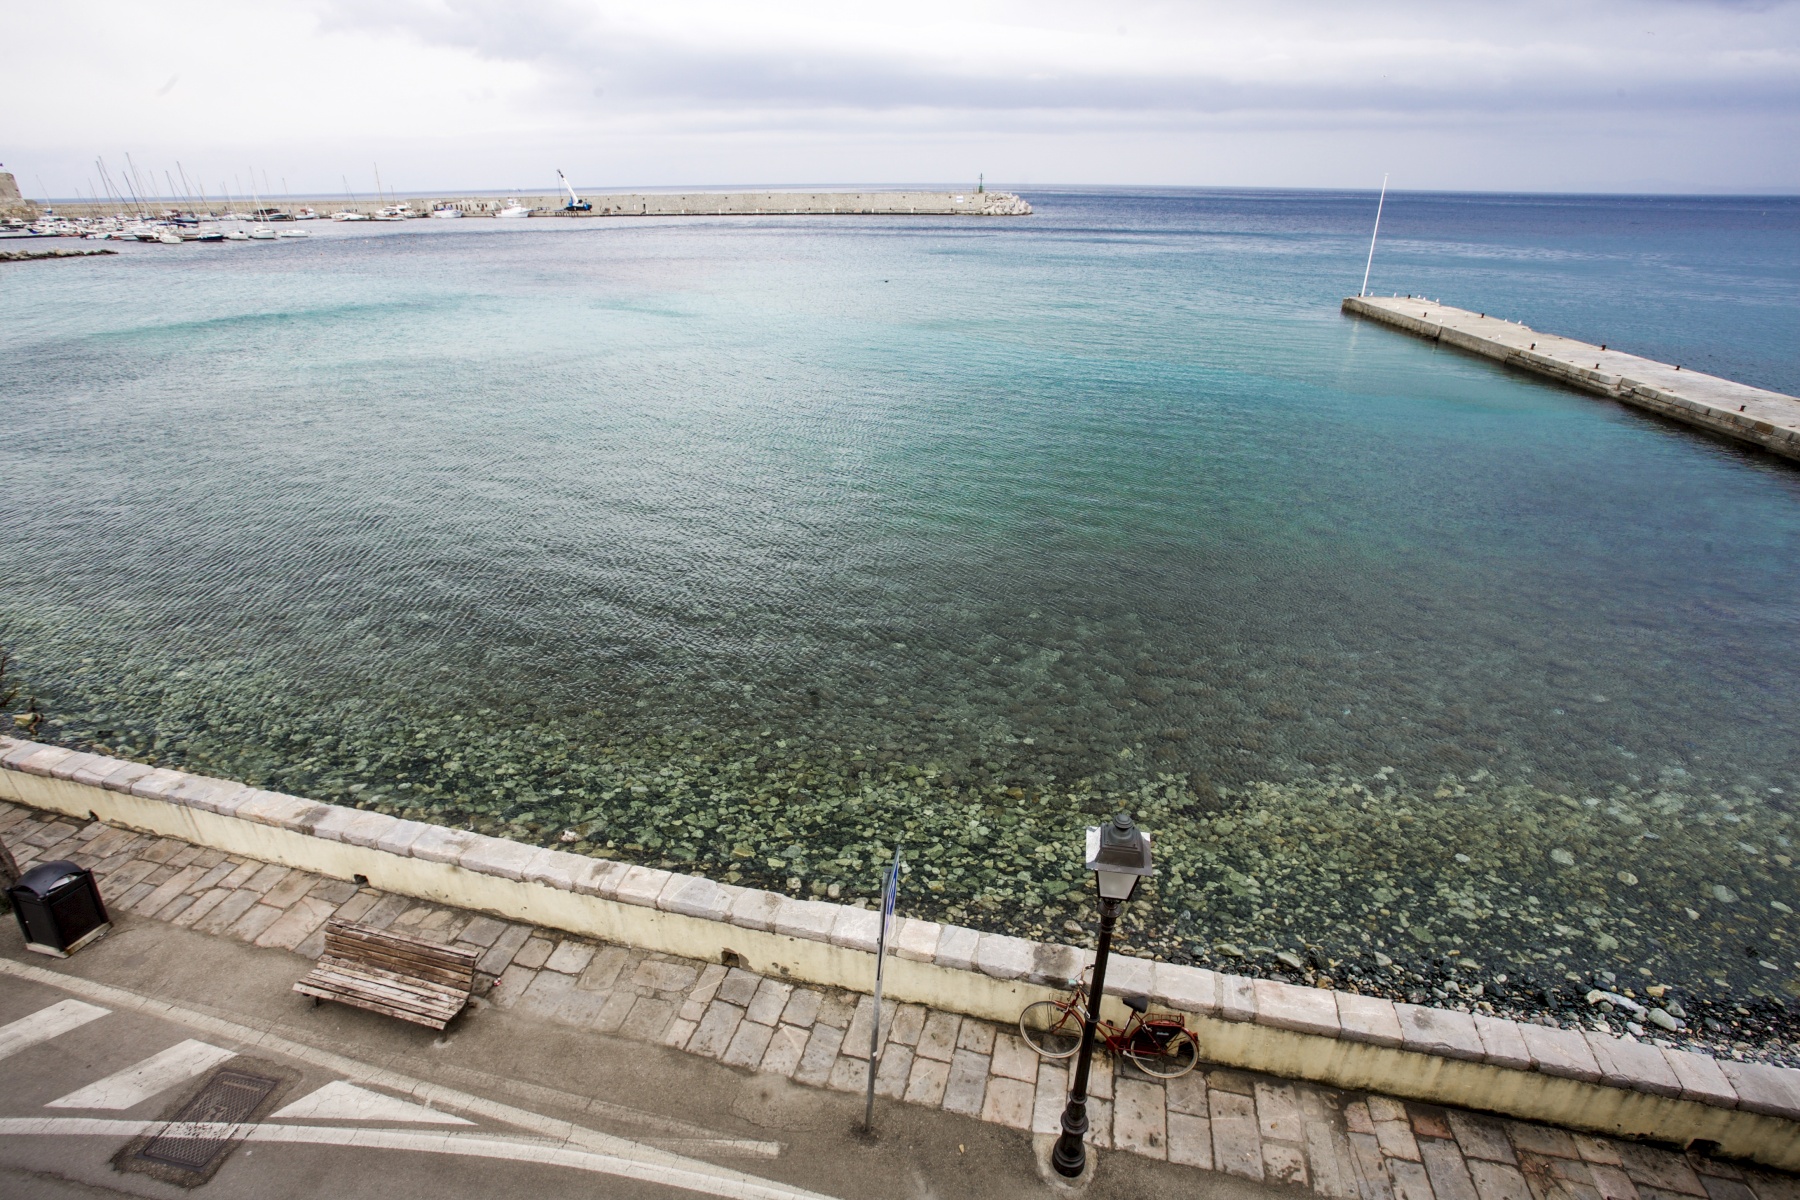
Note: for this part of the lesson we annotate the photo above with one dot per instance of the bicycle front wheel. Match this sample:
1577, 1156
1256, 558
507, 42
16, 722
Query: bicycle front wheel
1166, 1059
1051, 1028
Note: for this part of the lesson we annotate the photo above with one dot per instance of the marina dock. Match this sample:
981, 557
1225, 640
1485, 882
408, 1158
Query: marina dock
1734, 410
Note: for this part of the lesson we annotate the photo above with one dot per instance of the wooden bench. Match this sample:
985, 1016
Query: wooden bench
392, 973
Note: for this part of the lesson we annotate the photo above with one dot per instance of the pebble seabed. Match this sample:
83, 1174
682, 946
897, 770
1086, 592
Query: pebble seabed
1659, 909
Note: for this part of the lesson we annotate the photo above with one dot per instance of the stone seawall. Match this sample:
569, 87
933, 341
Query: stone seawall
1762, 418
1580, 1079
673, 204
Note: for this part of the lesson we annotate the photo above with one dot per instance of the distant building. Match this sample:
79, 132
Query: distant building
12, 204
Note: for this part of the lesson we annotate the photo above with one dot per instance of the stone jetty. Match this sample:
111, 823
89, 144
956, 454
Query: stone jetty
1734, 410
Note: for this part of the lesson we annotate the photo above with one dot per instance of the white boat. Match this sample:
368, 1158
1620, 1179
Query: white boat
168, 237
306, 214
447, 212
236, 235
394, 212
295, 233
262, 233
513, 210
349, 214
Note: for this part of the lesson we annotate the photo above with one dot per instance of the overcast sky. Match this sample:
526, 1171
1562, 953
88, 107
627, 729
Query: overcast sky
1699, 95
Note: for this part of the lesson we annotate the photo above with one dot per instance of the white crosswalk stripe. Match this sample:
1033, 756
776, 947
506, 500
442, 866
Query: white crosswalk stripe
45, 1024
340, 1101
140, 1081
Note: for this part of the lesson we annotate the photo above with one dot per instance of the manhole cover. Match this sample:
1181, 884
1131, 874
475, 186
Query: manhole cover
230, 1097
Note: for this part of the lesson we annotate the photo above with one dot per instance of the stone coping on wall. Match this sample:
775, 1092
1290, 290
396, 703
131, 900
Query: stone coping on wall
1358, 1024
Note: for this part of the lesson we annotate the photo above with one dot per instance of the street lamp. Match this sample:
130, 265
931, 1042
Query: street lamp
1118, 854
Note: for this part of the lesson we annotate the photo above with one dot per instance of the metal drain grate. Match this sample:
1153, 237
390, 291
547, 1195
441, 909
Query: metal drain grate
230, 1097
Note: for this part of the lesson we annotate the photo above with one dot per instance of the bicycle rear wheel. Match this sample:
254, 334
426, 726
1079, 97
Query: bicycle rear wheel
1051, 1028
1165, 1058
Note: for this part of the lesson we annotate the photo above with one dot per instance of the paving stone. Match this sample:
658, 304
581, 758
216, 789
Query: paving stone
502, 951
314, 944
118, 881
1057, 966
1100, 1076
1140, 1122
251, 925
856, 1036
296, 924
893, 1070
836, 1009
1190, 1141
243, 873
1372, 1180
1187, 1094
717, 1028
168, 890
956, 948
1009, 1102
1498, 1181
803, 1007
1445, 1168
1541, 1139
266, 879
1760, 1088
678, 1032
909, 1022
1300, 1009
1052, 1093
291, 888
1481, 1137
786, 1045
1329, 1161
1614, 1184
510, 986
1368, 1019
1237, 1002
185, 858
707, 986
618, 1006
739, 986
1237, 1147
1655, 1168
927, 1082
1396, 1137
571, 958
1635, 1065
1278, 1111
203, 904
695, 896
226, 912
174, 908
535, 952
1700, 1078
748, 1044
1438, 1031
821, 1052
1429, 1122
482, 931
1013, 1059
1597, 1150
603, 970
334, 891
544, 993
1100, 1122
1560, 1052
1502, 1043
770, 1002
1284, 1162
849, 1075
648, 1020
968, 1083
1410, 1180
977, 1036
1127, 975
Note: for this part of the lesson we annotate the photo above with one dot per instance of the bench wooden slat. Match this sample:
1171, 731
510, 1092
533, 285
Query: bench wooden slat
392, 973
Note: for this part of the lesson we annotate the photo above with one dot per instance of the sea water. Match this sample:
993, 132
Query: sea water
759, 546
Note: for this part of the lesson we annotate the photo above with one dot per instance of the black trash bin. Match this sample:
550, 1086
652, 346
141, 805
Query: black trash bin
59, 908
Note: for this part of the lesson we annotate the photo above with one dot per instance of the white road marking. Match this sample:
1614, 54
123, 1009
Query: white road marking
340, 1101
45, 1024
436, 1095
135, 1084
692, 1177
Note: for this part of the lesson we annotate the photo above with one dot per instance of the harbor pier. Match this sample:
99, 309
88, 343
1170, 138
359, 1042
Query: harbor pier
1738, 411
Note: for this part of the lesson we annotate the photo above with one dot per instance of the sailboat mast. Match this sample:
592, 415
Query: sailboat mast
1371, 263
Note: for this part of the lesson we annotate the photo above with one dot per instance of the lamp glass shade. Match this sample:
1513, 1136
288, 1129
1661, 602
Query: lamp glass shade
1119, 855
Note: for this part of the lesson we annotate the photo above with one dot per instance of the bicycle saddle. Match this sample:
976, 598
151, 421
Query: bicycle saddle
1137, 1004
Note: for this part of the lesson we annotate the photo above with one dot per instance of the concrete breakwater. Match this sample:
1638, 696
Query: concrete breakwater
672, 204
1734, 410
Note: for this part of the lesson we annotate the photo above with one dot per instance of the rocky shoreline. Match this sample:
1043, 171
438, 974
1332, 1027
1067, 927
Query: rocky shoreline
55, 252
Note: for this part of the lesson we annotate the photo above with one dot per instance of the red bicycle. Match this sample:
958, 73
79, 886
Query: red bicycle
1162, 1045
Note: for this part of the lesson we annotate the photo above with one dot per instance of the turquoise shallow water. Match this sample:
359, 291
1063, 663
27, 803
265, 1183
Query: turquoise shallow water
753, 546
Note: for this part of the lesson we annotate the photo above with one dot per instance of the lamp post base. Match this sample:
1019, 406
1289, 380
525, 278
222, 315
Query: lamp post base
1069, 1157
